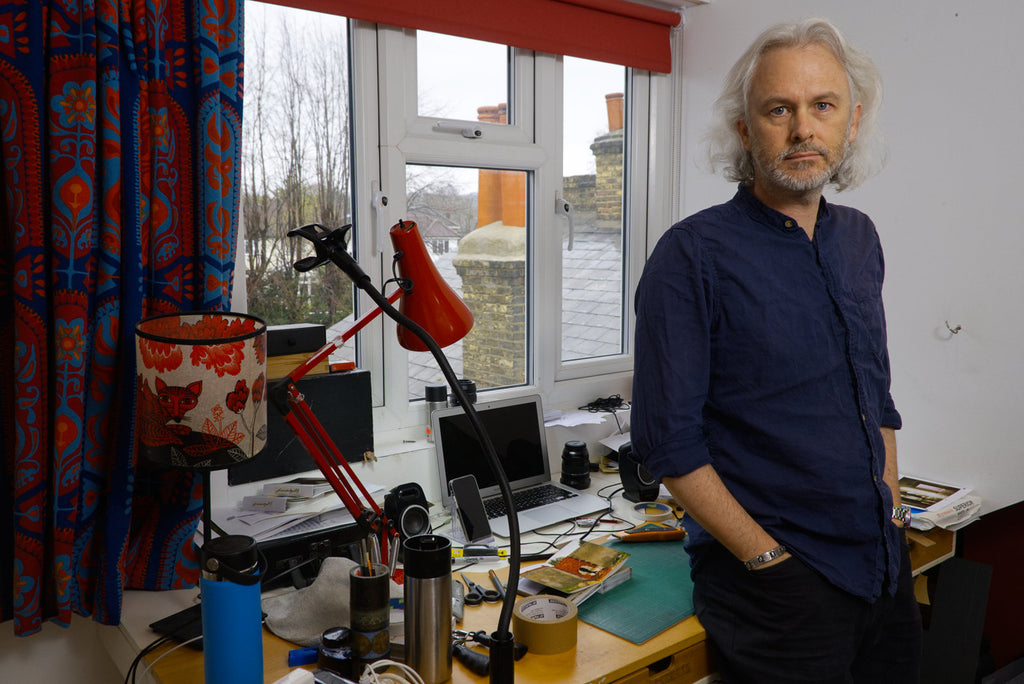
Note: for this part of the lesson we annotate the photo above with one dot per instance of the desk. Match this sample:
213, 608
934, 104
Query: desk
598, 656
678, 654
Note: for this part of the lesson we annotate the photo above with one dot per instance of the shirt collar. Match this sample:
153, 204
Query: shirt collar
761, 212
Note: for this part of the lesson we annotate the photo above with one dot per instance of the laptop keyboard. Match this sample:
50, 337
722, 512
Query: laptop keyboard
525, 499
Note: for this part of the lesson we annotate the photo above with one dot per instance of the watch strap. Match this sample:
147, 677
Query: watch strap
763, 558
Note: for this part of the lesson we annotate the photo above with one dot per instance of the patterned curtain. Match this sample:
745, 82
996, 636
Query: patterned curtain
119, 132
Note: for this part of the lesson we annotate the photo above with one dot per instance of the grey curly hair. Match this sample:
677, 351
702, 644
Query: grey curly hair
866, 154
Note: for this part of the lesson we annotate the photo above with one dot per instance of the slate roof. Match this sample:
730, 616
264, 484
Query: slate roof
591, 315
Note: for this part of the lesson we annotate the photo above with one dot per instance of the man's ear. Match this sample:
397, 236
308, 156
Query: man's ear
744, 131
854, 121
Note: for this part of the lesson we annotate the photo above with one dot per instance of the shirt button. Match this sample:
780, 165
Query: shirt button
789, 224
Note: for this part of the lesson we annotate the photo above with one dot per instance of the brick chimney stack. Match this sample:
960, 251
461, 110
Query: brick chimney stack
501, 195
614, 104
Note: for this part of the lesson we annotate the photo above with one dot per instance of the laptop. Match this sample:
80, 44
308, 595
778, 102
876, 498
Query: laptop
516, 428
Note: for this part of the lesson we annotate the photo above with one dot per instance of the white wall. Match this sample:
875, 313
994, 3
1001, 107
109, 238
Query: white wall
56, 654
946, 208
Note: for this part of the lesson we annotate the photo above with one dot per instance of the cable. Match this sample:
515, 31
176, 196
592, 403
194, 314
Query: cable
607, 405
371, 676
165, 654
129, 676
270, 579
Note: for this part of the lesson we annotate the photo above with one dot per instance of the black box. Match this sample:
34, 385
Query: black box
296, 338
296, 559
343, 405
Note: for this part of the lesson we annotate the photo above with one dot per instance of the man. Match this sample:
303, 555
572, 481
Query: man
761, 385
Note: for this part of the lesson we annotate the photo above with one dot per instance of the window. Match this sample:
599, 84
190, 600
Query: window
474, 222
480, 144
593, 178
296, 160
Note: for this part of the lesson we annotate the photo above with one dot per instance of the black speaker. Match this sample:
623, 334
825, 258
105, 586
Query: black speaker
636, 481
406, 507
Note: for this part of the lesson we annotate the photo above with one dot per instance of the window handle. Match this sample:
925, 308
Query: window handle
471, 132
564, 208
380, 203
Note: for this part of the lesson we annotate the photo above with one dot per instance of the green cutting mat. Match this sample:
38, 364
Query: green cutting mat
657, 596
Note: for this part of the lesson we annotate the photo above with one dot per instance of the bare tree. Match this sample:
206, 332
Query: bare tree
327, 90
296, 154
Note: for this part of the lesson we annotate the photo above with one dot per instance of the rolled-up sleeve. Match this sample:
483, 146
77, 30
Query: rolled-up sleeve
674, 310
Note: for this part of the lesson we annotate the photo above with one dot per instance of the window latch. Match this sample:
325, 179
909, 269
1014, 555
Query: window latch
379, 203
564, 208
471, 132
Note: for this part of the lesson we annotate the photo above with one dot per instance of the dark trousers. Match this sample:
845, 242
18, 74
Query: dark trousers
786, 624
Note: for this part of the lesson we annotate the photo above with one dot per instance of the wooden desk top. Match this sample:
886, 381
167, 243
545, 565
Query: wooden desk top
598, 657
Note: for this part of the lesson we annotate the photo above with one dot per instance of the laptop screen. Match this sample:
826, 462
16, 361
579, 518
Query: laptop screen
515, 427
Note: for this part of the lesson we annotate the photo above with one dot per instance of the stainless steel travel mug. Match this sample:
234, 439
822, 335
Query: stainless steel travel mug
428, 607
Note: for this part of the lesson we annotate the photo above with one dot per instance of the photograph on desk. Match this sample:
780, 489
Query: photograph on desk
576, 568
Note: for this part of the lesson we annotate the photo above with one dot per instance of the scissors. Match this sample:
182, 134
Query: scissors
477, 594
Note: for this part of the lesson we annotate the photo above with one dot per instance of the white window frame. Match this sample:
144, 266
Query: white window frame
389, 134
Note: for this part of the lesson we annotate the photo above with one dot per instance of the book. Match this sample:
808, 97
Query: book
935, 504
279, 497
299, 488
578, 567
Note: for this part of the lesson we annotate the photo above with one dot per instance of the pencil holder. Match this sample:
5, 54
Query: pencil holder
369, 605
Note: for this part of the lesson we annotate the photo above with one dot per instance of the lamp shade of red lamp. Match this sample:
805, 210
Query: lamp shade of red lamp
431, 303
201, 389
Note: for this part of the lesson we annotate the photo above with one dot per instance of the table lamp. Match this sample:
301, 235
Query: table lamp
430, 316
201, 405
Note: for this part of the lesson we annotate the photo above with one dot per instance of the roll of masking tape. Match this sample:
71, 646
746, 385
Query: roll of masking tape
652, 511
546, 624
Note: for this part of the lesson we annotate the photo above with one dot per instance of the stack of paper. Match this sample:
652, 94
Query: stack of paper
279, 497
934, 504
578, 571
318, 513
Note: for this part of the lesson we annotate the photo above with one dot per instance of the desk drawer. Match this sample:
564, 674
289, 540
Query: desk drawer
685, 667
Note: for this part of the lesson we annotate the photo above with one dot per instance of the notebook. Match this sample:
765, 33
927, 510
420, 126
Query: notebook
516, 428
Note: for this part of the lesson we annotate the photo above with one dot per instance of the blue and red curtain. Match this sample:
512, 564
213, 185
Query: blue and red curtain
119, 133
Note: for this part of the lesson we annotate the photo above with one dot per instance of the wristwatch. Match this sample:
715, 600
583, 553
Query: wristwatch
901, 513
760, 560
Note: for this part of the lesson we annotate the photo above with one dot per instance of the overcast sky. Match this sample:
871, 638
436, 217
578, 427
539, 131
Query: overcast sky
456, 76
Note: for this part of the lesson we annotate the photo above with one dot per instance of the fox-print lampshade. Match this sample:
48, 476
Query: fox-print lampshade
201, 389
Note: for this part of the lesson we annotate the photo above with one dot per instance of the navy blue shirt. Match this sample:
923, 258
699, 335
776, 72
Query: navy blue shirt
763, 353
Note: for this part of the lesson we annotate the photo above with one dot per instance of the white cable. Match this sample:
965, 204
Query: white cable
371, 676
165, 654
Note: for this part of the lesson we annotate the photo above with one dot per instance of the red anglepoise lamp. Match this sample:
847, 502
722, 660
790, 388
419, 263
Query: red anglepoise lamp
430, 302
431, 316
427, 304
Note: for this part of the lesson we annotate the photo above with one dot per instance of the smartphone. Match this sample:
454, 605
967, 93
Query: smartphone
470, 508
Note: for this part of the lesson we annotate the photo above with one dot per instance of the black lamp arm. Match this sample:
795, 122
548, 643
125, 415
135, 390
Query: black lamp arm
330, 245
505, 617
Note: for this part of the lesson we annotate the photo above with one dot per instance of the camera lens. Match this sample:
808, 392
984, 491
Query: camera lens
575, 465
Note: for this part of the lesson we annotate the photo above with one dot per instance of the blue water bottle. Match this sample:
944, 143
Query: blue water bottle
232, 617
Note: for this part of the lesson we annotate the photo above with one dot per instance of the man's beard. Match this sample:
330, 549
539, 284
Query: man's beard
795, 181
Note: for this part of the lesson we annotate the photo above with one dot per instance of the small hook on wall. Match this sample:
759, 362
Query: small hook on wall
956, 330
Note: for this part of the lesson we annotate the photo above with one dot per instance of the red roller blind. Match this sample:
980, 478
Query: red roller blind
614, 31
